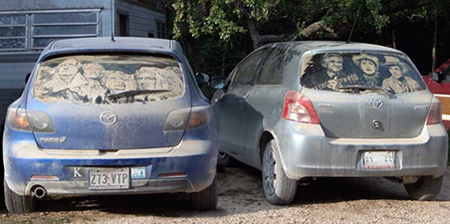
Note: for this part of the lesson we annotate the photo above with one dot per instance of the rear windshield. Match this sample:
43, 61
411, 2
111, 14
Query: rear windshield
109, 79
360, 73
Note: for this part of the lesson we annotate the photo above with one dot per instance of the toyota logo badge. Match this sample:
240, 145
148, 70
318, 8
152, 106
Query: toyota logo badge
108, 118
376, 103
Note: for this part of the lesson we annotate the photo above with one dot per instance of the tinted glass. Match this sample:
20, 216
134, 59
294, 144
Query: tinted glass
12, 32
65, 30
358, 72
446, 74
271, 69
247, 70
16, 43
109, 79
75, 17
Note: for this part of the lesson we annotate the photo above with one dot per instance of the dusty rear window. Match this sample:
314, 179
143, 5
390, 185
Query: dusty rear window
109, 79
360, 72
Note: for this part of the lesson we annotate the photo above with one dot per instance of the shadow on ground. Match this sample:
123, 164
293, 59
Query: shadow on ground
240, 192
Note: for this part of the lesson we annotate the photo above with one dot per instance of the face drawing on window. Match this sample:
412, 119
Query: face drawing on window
146, 78
368, 64
93, 70
68, 69
116, 81
332, 62
396, 71
396, 67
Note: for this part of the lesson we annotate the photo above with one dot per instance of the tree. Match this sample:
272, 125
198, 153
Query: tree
213, 30
302, 18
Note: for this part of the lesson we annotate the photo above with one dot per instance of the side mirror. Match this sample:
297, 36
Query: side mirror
219, 86
27, 77
202, 78
436, 76
217, 83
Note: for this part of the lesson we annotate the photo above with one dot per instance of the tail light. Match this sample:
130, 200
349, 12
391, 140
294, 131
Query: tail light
299, 108
435, 115
187, 119
28, 120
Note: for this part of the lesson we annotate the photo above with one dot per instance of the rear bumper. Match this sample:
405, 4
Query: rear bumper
306, 152
23, 160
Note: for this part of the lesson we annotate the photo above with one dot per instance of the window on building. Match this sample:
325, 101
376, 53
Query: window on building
13, 32
151, 35
124, 25
160, 29
30, 31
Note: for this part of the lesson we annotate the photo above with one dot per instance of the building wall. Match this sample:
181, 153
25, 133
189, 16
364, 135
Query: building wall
15, 65
142, 18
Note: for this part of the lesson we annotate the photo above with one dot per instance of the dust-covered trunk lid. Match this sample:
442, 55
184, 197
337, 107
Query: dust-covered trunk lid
370, 115
366, 94
110, 102
110, 127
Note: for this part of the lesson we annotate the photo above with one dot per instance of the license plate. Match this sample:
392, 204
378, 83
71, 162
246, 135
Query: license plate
109, 178
379, 160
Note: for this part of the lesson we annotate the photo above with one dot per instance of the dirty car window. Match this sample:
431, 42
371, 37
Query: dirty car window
353, 72
109, 79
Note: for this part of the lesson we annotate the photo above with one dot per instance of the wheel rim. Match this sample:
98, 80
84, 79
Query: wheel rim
269, 174
222, 155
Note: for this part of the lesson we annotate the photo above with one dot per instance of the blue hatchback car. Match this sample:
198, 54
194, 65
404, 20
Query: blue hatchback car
108, 117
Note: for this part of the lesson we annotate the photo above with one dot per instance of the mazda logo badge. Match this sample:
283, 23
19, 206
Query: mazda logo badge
108, 118
376, 103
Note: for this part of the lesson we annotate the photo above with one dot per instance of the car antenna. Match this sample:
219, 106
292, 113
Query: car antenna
354, 24
112, 19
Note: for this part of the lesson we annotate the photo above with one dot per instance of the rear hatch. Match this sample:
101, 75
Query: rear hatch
108, 101
366, 95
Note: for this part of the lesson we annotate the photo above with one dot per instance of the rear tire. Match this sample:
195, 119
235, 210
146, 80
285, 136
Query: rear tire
18, 204
278, 188
206, 199
425, 189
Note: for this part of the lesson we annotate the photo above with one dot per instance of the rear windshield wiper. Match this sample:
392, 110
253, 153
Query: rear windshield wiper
361, 87
135, 92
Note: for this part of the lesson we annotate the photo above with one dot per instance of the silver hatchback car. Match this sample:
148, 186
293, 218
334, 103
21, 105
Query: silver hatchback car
301, 110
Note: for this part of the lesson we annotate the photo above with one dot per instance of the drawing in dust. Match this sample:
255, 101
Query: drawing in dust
399, 82
107, 79
331, 76
369, 66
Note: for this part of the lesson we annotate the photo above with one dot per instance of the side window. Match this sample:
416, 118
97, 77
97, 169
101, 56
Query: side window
247, 70
272, 68
446, 74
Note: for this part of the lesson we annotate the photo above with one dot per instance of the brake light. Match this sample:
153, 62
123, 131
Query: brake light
435, 115
28, 120
299, 108
187, 119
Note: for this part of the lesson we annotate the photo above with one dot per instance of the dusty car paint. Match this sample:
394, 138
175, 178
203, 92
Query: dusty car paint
250, 115
137, 140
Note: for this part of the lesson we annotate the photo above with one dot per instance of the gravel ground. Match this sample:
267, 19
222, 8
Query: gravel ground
241, 200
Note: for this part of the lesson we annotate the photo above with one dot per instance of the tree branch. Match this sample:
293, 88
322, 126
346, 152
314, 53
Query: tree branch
314, 28
274, 4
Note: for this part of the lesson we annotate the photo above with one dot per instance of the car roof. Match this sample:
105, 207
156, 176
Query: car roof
320, 46
119, 44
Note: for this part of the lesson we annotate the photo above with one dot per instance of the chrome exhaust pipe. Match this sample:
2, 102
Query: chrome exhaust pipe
39, 192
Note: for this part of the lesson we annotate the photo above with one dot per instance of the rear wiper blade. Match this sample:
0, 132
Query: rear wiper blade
366, 88
135, 92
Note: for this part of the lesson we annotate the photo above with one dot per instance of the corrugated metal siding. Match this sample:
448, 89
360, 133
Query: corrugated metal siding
141, 20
